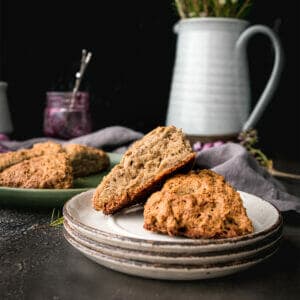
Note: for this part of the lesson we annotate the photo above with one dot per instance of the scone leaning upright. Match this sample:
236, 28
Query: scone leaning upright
143, 168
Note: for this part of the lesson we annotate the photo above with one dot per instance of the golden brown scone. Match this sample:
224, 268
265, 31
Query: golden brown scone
143, 168
46, 171
197, 205
46, 148
11, 158
86, 160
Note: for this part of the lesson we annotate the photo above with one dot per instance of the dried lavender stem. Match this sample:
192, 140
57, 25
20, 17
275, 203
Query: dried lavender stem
196, 7
180, 9
217, 4
205, 7
243, 7
276, 173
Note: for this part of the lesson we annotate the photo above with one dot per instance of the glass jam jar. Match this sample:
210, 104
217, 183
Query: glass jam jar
66, 116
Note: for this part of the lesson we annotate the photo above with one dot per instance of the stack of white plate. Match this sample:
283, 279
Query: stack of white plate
119, 242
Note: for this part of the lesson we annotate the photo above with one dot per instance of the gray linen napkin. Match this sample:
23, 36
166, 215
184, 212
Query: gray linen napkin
243, 172
231, 160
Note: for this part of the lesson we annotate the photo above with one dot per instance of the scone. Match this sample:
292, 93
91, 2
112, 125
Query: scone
48, 147
197, 205
11, 158
86, 160
143, 169
46, 171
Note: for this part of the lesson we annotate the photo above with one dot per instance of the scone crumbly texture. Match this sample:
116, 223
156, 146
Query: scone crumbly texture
197, 205
83, 160
14, 157
143, 168
46, 148
86, 160
41, 172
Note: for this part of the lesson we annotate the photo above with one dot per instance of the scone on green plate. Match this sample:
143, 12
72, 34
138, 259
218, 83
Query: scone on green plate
50, 165
14, 157
86, 160
51, 171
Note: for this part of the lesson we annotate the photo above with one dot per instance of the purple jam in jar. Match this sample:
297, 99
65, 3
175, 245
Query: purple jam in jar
66, 118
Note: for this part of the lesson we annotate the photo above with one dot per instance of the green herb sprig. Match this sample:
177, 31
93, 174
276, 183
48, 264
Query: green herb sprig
56, 218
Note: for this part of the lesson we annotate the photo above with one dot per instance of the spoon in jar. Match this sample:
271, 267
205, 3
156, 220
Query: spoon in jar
85, 59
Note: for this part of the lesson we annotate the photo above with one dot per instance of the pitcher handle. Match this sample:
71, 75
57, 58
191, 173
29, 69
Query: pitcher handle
273, 81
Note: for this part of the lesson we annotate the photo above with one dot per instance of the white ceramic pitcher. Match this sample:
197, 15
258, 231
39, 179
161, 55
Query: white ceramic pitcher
210, 91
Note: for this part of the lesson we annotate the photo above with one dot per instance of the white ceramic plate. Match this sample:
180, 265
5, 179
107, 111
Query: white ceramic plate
176, 258
126, 230
169, 272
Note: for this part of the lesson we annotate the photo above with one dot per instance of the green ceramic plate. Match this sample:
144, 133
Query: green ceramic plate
52, 197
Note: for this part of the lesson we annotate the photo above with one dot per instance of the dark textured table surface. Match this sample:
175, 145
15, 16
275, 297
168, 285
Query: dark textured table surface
37, 263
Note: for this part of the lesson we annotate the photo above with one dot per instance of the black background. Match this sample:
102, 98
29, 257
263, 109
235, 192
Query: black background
129, 76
